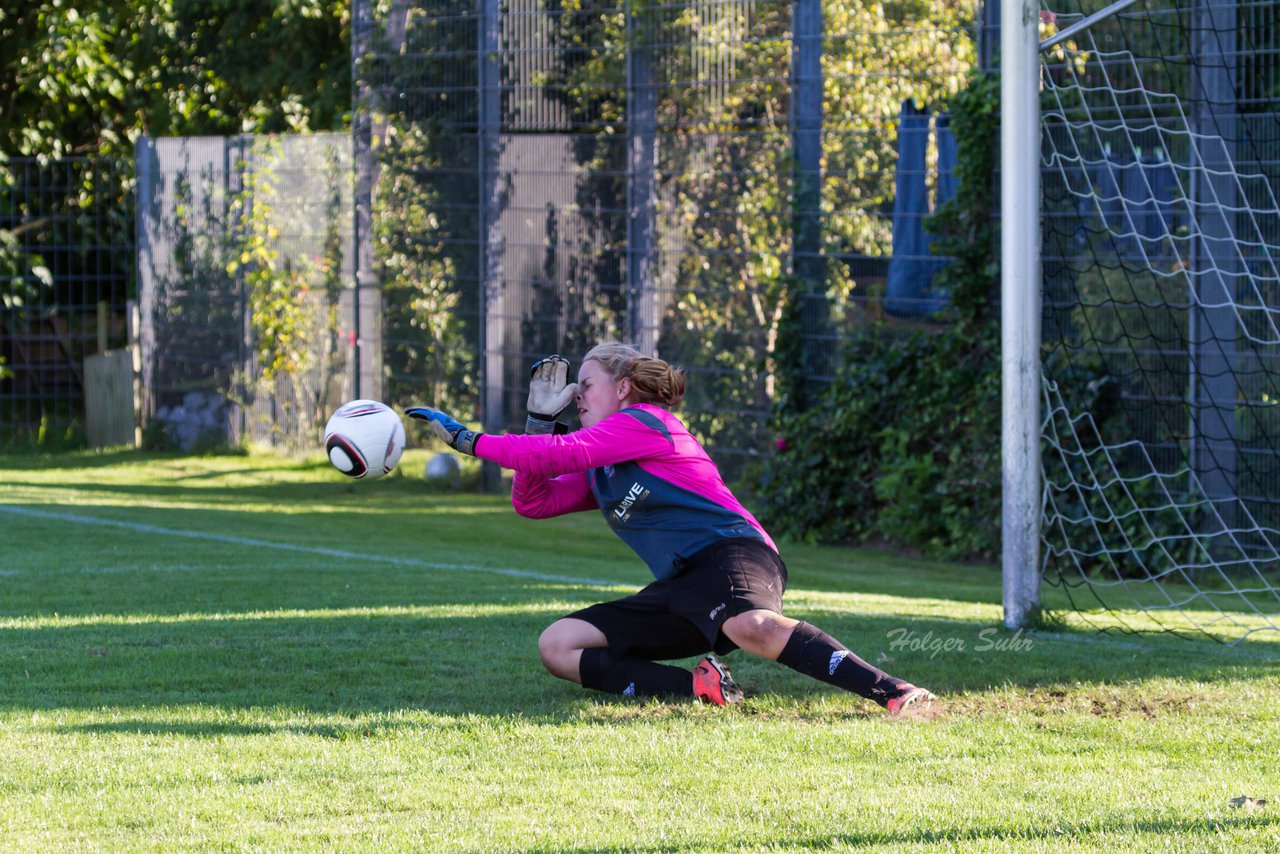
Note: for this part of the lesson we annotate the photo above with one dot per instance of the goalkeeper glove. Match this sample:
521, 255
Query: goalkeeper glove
447, 428
549, 393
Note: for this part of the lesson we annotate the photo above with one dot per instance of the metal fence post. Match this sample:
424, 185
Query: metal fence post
806, 140
1216, 262
988, 35
237, 174
146, 168
642, 133
363, 382
489, 231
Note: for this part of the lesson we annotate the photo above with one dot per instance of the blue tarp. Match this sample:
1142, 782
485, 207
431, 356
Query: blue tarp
909, 291
1148, 190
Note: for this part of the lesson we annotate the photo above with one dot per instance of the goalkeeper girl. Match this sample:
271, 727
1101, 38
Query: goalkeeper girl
718, 579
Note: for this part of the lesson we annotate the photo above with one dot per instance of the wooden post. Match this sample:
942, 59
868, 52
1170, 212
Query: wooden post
102, 326
109, 398
133, 328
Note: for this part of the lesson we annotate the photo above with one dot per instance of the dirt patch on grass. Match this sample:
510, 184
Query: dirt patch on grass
1102, 701
1111, 702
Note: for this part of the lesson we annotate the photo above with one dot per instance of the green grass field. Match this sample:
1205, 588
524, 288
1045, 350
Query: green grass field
242, 652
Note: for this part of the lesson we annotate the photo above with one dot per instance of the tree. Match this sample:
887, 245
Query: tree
89, 77
724, 200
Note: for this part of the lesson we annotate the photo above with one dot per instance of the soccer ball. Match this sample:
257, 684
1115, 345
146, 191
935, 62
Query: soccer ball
444, 468
364, 439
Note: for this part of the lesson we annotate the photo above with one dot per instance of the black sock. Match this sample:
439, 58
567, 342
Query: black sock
815, 653
632, 676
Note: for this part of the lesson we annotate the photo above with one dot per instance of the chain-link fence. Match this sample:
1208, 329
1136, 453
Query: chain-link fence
66, 265
532, 177
548, 175
244, 268
1162, 159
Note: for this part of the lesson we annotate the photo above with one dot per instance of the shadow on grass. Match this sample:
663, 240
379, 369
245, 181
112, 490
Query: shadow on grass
347, 665
179, 488
223, 644
15, 461
949, 837
354, 731
465, 666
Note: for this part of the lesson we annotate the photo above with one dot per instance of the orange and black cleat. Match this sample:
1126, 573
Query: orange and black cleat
712, 683
912, 699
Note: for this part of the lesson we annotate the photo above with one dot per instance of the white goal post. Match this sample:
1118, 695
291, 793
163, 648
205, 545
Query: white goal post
1020, 308
1020, 289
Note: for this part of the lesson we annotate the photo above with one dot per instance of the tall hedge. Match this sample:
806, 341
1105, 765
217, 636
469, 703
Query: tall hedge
904, 446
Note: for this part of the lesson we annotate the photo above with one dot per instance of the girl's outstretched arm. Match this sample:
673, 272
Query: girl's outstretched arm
537, 496
619, 438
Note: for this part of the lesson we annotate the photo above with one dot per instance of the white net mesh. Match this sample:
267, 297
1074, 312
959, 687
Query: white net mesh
1162, 317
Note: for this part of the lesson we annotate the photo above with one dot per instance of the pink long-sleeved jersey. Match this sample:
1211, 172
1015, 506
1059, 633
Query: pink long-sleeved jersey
655, 484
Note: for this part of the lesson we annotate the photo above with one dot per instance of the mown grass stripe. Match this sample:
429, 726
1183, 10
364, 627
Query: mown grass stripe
339, 554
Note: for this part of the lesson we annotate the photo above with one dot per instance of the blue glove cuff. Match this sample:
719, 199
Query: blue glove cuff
465, 442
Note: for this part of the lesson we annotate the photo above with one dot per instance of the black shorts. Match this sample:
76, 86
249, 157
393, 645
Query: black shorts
681, 616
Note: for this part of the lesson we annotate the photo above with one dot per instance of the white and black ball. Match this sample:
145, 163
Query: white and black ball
364, 439
444, 469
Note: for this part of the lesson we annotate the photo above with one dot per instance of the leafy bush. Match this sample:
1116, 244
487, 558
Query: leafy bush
904, 446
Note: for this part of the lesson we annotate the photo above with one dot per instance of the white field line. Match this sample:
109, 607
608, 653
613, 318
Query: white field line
359, 557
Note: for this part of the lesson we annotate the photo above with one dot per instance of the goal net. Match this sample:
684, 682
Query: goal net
1160, 134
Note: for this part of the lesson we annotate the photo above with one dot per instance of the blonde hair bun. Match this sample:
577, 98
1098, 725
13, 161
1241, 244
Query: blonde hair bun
652, 380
